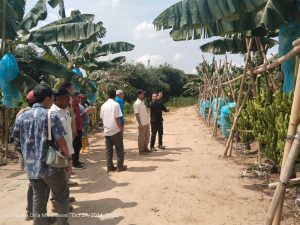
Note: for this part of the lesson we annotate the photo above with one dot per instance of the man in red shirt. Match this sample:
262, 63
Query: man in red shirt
77, 144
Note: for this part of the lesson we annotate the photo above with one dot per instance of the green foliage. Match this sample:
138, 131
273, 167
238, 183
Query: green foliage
181, 101
269, 122
235, 44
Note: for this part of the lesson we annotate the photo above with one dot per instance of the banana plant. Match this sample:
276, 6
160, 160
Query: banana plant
234, 45
195, 19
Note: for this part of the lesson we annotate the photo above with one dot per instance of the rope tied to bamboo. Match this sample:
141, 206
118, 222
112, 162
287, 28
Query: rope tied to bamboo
289, 138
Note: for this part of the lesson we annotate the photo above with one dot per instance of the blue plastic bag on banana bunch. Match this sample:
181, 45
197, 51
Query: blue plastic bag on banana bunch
225, 119
92, 96
9, 69
10, 94
76, 85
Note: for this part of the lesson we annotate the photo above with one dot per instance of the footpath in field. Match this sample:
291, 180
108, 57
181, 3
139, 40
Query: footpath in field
185, 184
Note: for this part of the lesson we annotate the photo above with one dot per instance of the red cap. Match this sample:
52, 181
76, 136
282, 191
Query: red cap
30, 97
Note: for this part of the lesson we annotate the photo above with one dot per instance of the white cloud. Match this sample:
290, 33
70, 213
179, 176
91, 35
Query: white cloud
178, 56
154, 60
114, 3
145, 31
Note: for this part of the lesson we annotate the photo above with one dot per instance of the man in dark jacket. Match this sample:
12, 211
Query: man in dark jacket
156, 120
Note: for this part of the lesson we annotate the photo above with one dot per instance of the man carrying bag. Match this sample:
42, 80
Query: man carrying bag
31, 136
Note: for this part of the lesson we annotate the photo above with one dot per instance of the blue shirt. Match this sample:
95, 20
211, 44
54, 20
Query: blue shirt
121, 103
31, 136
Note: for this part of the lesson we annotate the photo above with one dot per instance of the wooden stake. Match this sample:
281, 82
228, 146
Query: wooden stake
284, 179
3, 43
294, 121
231, 135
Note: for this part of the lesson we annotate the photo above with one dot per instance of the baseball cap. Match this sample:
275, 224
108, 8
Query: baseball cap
41, 92
30, 97
119, 92
61, 92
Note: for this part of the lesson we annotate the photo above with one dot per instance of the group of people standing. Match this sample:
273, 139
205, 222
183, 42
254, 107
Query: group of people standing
112, 114
67, 111
60, 118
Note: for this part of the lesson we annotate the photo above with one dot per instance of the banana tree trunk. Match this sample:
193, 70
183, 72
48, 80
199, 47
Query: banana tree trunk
3, 42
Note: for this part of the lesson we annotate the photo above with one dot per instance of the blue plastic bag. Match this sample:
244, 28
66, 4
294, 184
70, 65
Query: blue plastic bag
287, 35
76, 85
225, 118
9, 69
92, 96
10, 94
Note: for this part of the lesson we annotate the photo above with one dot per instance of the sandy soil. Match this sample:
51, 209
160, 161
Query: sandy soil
185, 184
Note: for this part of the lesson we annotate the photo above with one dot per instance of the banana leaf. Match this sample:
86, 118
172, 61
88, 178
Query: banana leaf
203, 12
15, 13
71, 32
54, 3
96, 49
59, 71
72, 19
37, 13
24, 83
252, 24
260, 22
235, 45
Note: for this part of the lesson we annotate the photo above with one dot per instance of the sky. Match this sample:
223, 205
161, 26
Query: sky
131, 21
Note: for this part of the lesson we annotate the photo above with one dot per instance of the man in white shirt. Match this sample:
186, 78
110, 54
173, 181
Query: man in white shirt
142, 118
111, 115
61, 106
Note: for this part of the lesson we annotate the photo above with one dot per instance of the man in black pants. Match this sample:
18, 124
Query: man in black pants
111, 115
77, 142
156, 120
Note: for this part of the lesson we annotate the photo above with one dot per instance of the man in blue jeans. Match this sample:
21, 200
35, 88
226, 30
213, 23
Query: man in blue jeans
31, 136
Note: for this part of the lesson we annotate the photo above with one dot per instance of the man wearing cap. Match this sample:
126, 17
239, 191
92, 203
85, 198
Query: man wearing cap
111, 116
77, 142
142, 118
119, 99
31, 136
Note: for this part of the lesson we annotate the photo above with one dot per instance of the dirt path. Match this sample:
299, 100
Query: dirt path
186, 184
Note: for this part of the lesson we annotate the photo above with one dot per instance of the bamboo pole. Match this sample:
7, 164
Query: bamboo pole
226, 69
217, 112
236, 118
284, 179
294, 121
3, 43
291, 182
278, 62
231, 135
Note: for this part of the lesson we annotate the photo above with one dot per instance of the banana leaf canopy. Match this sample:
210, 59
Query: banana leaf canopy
234, 45
195, 19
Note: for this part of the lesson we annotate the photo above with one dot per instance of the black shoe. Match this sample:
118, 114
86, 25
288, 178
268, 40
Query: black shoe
122, 168
161, 147
28, 217
81, 163
109, 169
78, 167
